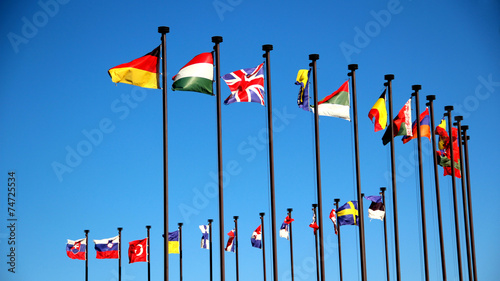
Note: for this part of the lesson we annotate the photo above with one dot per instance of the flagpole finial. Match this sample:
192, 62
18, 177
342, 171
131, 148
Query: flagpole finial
459, 118
464, 128
180, 224
289, 210
216, 39
430, 97
87, 231
383, 189
163, 29
352, 67
315, 205
389, 77
262, 214
148, 226
416, 87
314, 57
267, 47
235, 217
336, 200
120, 228
448, 108
362, 195
210, 220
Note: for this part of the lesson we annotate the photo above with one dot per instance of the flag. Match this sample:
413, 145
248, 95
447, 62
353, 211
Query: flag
444, 152
143, 72
313, 224
196, 76
138, 250
441, 132
348, 214
336, 104
400, 125
285, 227
379, 113
246, 85
173, 242
256, 238
230, 246
425, 127
205, 242
303, 81
76, 249
377, 208
333, 217
107, 248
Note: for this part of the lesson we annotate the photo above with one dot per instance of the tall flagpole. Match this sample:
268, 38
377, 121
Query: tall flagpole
236, 246
217, 40
86, 254
352, 74
318, 278
314, 58
471, 221
431, 98
464, 195
291, 242
210, 247
388, 272
120, 253
148, 227
337, 200
180, 251
389, 78
449, 108
262, 243
267, 48
164, 30
416, 88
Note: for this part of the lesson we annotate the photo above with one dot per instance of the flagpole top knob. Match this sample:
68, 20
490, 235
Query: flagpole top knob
314, 57
235, 217
362, 195
210, 220
448, 108
267, 47
389, 77
352, 67
416, 87
86, 231
431, 97
163, 29
289, 210
148, 226
120, 228
315, 205
180, 224
383, 189
459, 118
337, 200
262, 214
465, 127
216, 39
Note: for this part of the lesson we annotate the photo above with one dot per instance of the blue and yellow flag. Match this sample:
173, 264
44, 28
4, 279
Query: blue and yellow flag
173, 242
348, 214
303, 81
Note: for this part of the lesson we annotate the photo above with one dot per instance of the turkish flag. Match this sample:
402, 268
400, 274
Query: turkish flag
138, 250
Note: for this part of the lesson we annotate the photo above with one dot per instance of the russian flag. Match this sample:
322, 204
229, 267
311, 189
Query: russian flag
76, 249
256, 238
107, 248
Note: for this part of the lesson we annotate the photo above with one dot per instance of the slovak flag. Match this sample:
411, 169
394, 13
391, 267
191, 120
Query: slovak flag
107, 248
76, 249
138, 251
230, 242
256, 238
246, 85
285, 228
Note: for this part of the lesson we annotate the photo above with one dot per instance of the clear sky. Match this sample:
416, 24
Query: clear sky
56, 92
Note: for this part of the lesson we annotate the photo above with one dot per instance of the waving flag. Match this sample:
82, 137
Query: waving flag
400, 125
107, 248
376, 209
138, 251
303, 81
173, 242
348, 214
336, 104
313, 224
425, 127
196, 76
256, 238
333, 217
246, 85
378, 113
143, 72
444, 152
230, 246
76, 249
285, 228
205, 242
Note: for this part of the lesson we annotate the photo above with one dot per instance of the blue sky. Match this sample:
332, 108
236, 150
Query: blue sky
56, 93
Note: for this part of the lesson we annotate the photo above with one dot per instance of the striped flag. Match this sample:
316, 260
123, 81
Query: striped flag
378, 113
143, 72
76, 249
256, 238
333, 217
230, 246
401, 125
285, 228
425, 127
246, 85
376, 209
196, 76
303, 81
336, 104
204, 237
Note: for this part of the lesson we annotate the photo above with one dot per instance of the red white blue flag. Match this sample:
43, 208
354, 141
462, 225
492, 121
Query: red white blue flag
246, 85
107, 248
230, 242
76, 249
285, 228
256, 238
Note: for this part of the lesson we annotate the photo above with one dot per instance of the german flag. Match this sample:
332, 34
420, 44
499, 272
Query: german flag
143, 72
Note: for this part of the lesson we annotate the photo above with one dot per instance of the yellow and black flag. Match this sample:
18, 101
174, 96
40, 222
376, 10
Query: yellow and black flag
143, 72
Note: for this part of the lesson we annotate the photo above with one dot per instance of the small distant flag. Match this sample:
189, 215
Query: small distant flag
76, 249
378, 113
138, 251
425, 127
196, 76
444, 152
143, 72
246, 85
205, 242
230, 246
107, 248
336, 104
173, 242
348, 214
313, 224
285, 228
376, 209
401, 125
256, 238
333, 217
303, 81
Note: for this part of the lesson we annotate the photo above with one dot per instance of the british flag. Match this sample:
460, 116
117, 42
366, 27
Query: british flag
246, 85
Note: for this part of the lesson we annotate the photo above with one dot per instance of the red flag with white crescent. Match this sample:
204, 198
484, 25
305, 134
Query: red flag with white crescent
138, 251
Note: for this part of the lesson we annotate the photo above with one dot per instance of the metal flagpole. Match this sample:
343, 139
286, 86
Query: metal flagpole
164, 30
337, 200
291, 241
210, 247
431, 98
120, 253
217, 40
352, 74
263, 245
449, 108
464, 195
180, 251
471, 221
316, 244
149, 253
86, 254
267, 48
236, 246
388, 272
389, 78
416, 88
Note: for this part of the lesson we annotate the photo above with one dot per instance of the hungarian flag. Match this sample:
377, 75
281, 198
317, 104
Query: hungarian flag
313, 224
401, 125
256, 238
76, 249
333, 217
425, 127
336, 104
348, 214
107, 248
303, 81
246, 85
285, 228
378, 113
444, 152
376, 209
173, 242
143, 72
138, 251
196, 76
230, 246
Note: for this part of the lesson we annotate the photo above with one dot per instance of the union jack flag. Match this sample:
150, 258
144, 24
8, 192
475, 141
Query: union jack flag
246, 85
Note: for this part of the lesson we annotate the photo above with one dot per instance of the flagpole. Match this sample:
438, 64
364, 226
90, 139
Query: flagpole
86, 254
388, 272
291, 241
180, 251
471, 221
120, 253
217, 40
316, 244
352, 74
164, 30
417, 88
449, 108
314, 58
148, 227
389, 78
337, 200
210, 247
236, 245
267, 48
431, 98
263, 246
458, 120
